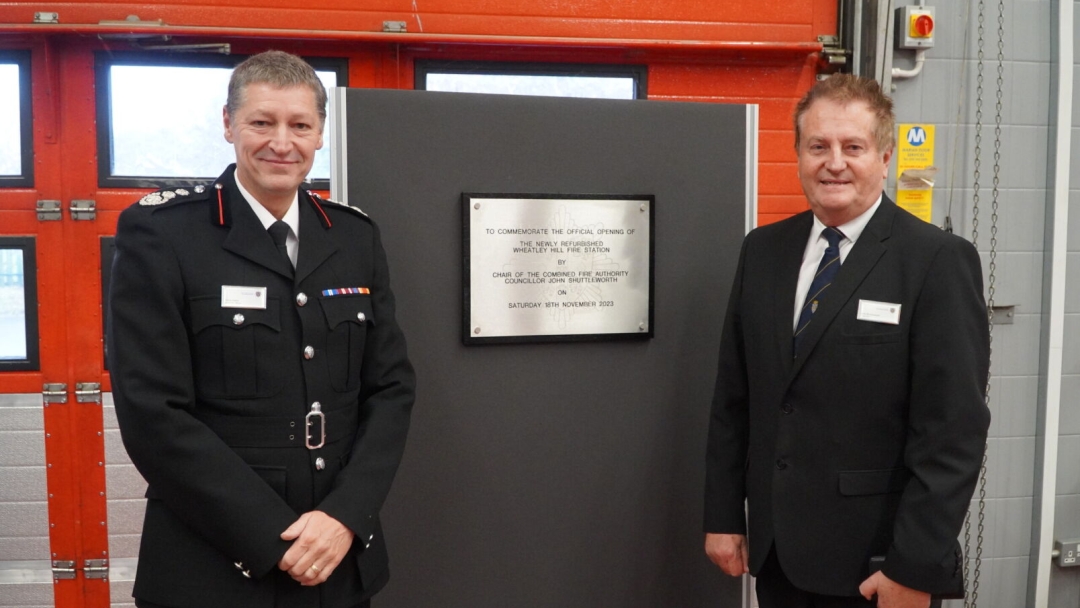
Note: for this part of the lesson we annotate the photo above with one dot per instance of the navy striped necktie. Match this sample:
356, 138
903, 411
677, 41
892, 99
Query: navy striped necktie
826, 273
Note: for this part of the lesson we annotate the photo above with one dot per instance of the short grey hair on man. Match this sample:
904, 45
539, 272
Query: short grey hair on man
278, 69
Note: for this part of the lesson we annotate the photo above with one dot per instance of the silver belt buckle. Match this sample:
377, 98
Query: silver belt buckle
309, 421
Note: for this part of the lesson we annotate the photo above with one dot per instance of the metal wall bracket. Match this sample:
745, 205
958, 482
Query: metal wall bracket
48, 211
1003, 315
63, 569
54, 392
133, 20
833, 52
87, 392
96, 569
83, 210
221, 48
394, 27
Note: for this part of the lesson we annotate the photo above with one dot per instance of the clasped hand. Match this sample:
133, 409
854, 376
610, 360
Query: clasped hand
320, 542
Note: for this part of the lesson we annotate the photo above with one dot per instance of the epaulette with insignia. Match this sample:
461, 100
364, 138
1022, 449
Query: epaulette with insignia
340, 205
164, 196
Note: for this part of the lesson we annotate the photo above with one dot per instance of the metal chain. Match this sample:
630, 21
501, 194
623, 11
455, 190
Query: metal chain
971, 589
978, 126
972, 599
991, 279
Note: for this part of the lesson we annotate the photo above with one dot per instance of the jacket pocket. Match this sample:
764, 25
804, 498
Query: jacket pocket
874, 481
872, 338
236, 352
347, 320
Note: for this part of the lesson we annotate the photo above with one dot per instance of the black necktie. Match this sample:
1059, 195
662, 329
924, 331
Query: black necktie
826, 272
279, 231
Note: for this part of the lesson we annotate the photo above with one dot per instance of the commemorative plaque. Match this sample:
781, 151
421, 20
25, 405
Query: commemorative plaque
543, 268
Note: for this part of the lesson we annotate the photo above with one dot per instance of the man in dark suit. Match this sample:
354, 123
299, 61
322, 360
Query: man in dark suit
261, 380
848, 422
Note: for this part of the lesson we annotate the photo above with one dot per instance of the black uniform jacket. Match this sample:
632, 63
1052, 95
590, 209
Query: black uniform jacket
869, 442
212, 400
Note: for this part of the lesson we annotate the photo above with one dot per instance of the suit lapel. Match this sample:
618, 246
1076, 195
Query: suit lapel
316, 244
871, 245
786, 278
247, 236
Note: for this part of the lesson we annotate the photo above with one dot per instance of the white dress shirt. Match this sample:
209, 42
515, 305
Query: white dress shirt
292, 218
815, 248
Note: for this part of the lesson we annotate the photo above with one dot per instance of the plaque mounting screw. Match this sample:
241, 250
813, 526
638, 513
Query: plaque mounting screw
476, 331
476, 206
642, 207
641, 326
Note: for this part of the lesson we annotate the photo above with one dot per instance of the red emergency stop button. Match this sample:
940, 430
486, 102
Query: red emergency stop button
922, 26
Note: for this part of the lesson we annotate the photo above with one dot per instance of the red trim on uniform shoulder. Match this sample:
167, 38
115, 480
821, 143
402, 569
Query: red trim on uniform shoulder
315, 198
220, 206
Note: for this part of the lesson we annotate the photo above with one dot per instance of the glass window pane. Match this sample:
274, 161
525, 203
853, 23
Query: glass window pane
596, 87
164, 127
12, 306
10, 115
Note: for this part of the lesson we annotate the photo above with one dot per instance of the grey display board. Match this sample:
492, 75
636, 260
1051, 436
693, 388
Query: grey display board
567, 474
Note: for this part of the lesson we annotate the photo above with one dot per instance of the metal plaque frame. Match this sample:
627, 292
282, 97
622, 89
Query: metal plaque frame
557, 267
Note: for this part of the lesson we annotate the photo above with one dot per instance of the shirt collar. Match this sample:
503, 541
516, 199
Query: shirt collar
292, 216
855, 227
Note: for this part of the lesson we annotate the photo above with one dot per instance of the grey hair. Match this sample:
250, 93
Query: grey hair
278, 69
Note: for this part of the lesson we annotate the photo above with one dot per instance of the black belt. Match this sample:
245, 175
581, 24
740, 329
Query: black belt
282, 431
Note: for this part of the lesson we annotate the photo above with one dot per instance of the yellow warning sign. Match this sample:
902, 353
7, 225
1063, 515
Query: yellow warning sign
915, 169
917, 202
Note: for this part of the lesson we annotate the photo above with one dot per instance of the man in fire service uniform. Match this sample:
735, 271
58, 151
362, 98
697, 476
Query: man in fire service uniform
261, 381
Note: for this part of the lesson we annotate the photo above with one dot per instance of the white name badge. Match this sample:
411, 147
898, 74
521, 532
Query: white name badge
879, 312
237, 296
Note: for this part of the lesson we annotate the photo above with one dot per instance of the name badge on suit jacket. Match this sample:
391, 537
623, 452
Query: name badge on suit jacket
879, 312
238, 296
